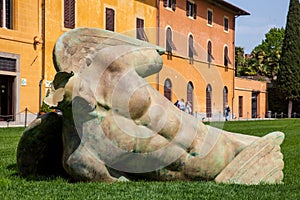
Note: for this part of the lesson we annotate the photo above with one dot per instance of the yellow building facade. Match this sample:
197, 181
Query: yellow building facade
122, 14
29, 30
20, 59
199, 67
250, 99
199, 63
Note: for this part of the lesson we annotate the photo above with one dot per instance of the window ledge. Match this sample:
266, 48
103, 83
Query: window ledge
169, 9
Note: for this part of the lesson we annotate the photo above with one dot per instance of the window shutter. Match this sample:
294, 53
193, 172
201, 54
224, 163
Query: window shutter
187, 8
72, 12
173, 45
8, 13
140, 32
138, 27
8, 64
226, 22
165, 3
226, 58
1, 13
110, 19
209, 52
173, 5
191, 44
169, 43
69, 13
195, 11
168, 36
210, 17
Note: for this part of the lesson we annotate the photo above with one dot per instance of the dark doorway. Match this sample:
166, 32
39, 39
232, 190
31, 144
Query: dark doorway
208, 101
190, 95
240, 106
6, 97
225, 98
254, 104
168, 89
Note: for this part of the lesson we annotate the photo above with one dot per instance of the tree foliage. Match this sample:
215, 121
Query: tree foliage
288, 81
289, 73
264, 58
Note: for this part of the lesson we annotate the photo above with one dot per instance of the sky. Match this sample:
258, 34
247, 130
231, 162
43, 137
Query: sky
250, 29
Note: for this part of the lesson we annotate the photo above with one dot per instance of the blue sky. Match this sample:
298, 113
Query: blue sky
265, 14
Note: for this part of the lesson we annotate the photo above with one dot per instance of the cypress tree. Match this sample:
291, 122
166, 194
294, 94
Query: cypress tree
288, 81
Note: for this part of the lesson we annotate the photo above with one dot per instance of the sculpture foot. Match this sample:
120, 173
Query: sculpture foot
260, 162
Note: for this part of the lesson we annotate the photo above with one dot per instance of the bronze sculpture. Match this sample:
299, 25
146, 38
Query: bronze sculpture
115, 124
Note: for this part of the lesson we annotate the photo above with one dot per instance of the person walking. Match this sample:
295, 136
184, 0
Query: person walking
227, 111
181, 105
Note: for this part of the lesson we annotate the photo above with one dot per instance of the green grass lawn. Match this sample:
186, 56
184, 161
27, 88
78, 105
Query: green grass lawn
14, 187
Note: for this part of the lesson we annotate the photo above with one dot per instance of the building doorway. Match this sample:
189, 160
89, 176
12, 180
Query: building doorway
208, 101
254, 104
6, 98
168, 89
241, 106
190, 95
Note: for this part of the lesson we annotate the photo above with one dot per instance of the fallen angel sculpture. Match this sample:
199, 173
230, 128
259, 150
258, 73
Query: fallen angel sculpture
115, 126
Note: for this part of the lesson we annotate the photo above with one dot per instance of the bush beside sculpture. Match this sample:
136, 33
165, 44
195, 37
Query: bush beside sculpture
40, 148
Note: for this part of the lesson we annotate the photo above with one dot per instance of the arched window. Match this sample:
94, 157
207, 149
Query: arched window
225, 97
190, 94
169, 41
226, 57
208, 101
191, 47
209, 52
168, 89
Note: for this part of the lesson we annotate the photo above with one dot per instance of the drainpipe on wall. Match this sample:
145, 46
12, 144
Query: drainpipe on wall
43, 20
157, 37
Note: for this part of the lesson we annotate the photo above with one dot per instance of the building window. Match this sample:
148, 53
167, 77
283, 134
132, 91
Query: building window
6, 14
191, 9
168, 89
240, 106
140, 32
190, 95
110, 19
226, 24
191, 50
170, 4
169, 41
209, 17
208, 101
225, 98
226, 57
69, 13
8, 64
209, 52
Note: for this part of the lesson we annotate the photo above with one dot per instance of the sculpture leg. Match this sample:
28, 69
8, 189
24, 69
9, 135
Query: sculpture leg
78, 161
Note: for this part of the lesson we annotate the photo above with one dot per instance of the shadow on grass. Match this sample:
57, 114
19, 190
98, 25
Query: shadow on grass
38, 177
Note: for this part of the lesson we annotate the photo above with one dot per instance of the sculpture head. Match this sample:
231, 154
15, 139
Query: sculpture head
97, 64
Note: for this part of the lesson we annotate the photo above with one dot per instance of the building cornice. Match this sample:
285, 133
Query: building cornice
229, 7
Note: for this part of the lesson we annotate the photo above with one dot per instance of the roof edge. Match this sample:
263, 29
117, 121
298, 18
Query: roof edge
232, 8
